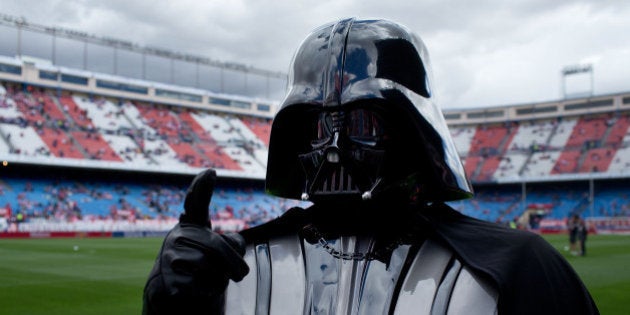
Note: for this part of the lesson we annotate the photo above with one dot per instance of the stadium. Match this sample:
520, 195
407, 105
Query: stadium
88, 154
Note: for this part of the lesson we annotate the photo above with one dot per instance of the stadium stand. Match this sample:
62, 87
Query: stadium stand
462, 137
537, 167
57, 202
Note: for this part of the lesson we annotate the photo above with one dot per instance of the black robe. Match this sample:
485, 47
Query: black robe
531, 277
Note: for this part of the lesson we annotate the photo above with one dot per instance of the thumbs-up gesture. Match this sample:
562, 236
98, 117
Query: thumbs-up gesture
194, 264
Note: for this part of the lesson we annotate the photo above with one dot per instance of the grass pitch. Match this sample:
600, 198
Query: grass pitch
107, 275
605, 269
75, 275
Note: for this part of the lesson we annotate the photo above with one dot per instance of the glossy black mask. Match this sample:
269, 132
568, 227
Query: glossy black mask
374, 68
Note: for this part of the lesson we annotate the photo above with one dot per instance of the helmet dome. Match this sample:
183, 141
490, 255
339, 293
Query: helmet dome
359, 119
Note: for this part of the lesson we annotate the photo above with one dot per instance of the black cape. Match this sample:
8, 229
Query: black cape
530, 275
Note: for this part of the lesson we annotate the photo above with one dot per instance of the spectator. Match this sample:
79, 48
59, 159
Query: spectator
581, 234
572, 228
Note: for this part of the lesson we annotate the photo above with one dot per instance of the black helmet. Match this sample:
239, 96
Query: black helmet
359, 121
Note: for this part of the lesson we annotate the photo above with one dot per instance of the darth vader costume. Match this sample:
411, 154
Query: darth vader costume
359, 135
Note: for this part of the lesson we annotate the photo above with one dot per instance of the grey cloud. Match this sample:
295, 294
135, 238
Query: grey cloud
483, 53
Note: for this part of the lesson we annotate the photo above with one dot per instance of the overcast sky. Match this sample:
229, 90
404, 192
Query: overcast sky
483, 53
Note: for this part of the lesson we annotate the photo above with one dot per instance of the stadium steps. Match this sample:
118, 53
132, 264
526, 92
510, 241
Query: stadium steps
487, 139
580, 160
199, 137
590, 136
472, 166
600, 158
138, 125
188, 153
251, 140
169, 127
27, 103
95, 146
195, 127
260, 128
51, 107
488, 167
510, 212
77, 145
567, 162
7, 141
547, 144
224, 136
507, 138
552, 134
90, 145
489, 142
529, 145
27, 106
205, 144
618, 130
60, 144
218, 157
526, 163
588, 131
564, 157
135, 138
491, 164
55, 111
74, 112
607, 134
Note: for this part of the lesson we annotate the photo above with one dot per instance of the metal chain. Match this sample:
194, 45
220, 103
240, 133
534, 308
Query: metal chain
371, 255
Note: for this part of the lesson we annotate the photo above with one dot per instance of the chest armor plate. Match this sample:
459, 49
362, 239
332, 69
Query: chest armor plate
290, 276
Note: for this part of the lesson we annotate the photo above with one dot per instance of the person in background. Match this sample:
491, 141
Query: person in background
359, 135
581, 235
573, 228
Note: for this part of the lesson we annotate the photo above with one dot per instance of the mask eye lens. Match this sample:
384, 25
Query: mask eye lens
361, 126
323, 125
365, 127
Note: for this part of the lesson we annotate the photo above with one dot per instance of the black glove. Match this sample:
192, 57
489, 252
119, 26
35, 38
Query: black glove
194, 265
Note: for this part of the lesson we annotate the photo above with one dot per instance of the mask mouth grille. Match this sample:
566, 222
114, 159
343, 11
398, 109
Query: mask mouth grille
339, 182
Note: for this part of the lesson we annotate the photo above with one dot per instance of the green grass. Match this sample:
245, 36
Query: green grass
106, 276
605, 269
47, 276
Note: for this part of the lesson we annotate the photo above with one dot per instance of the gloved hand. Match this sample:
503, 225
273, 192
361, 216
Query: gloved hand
194, 265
